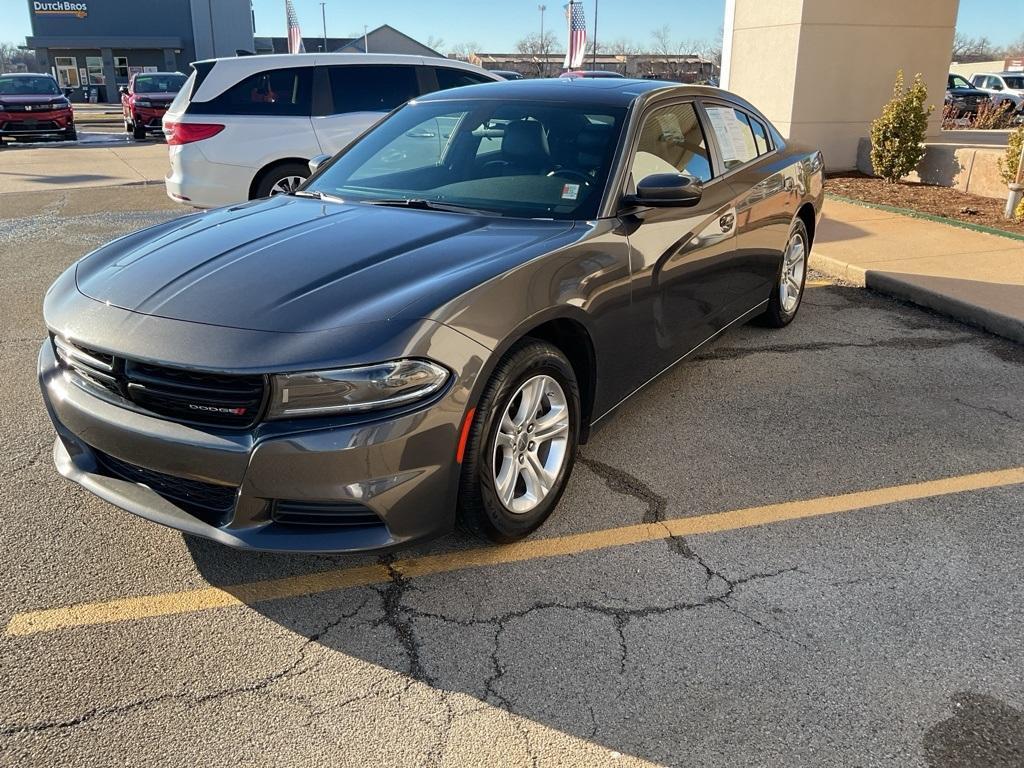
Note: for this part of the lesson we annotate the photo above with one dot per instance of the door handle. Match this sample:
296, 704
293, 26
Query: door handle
727, 221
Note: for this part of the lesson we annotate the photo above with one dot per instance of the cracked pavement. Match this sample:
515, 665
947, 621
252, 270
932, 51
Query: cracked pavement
884, 636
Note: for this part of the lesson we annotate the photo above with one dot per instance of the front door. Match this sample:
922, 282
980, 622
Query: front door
681, 257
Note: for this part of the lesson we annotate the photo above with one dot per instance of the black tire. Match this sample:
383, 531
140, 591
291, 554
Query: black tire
480, 508
138, 132
70, 134
275, 174
776, 315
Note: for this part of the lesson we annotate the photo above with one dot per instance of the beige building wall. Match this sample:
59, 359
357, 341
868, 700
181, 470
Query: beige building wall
822, 69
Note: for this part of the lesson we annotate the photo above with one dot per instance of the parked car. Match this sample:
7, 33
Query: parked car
963, 96
32, 106
246, 127
146, 98
598, 73
507, 74
345, 366
1002, 87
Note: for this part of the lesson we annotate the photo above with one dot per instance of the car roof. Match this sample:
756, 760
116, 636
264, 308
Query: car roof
28, 74
143, 74
608, 91
284, 60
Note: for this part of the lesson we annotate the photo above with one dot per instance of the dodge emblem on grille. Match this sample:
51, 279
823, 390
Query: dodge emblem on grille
216, 409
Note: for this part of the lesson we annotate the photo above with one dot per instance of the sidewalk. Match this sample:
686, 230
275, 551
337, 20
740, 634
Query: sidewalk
975, 277
58, 167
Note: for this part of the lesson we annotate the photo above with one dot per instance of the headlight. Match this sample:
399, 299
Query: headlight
348, 390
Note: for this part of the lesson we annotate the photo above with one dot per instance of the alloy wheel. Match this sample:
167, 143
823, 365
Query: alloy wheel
286, 184
530, 444
792, 278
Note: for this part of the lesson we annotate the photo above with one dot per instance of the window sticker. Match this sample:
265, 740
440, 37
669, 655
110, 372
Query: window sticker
570, 191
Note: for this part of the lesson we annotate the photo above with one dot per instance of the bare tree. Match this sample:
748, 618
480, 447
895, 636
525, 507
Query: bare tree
539, 49
1015, 48
13, 58
463, 50
622, 47
973, 48
436, 43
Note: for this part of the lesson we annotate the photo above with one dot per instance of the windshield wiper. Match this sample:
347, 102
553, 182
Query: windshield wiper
429, 205
318, 196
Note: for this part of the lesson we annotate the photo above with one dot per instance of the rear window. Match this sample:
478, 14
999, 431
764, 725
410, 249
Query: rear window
456, 78
371, 88
277, 92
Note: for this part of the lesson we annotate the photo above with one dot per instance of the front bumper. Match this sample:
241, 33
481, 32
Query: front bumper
402, 468
33, 124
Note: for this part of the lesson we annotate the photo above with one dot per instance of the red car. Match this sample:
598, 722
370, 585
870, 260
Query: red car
33, 107
146, 99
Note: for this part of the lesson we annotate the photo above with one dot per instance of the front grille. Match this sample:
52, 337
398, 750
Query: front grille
330, 513
29, 126
211, 503
192, 397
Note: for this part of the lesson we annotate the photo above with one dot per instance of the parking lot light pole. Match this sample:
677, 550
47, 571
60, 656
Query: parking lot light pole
323, 18
543, 47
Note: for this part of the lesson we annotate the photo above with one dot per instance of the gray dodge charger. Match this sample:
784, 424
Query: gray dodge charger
428, 328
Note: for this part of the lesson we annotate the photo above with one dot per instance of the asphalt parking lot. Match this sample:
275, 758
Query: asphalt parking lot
801, 547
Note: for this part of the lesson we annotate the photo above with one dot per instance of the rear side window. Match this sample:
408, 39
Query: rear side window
760, 135
277, 92
734, 135
371, 88
456, 78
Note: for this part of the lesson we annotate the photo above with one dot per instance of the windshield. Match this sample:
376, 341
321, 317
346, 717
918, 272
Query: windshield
955, 81
43, 85
159, 83
519, 158
1017, 83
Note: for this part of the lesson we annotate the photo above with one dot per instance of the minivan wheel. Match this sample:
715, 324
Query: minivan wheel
788, 290
522, 443
282, 179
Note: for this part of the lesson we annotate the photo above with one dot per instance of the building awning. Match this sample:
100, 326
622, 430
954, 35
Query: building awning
93, 42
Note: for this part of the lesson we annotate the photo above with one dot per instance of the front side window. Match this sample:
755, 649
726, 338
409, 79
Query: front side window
955, 81
733, 134
521, 159
371, 88
277, 92
671, 141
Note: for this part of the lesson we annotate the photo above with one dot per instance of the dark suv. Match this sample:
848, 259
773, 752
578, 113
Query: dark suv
32, 107
964, 96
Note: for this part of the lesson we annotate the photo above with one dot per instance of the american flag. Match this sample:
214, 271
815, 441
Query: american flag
577, 35
294, 33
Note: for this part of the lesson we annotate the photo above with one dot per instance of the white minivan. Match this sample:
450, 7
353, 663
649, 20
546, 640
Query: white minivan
246, 127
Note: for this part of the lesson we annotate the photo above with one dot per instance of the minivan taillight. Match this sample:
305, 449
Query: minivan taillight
186, 133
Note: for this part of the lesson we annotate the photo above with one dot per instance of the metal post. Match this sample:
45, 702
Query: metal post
366, 40
543, 48
323, 18
595, 35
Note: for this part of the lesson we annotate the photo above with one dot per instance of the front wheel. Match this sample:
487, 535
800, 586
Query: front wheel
788, 291
522, 443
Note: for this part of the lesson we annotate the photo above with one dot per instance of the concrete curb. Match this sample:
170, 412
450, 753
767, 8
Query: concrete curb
908, 290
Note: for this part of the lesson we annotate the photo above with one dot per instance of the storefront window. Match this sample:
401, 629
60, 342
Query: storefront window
94, 65
121, 66
67, 71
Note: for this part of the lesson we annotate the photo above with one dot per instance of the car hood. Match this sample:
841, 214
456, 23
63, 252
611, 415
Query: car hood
27, 98
297, 264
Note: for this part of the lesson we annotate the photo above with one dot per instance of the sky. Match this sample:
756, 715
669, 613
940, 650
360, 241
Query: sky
497, 24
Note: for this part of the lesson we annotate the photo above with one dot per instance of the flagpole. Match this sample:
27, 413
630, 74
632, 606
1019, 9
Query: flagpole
595, 34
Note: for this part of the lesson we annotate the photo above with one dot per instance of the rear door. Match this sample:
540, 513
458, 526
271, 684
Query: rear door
359, 95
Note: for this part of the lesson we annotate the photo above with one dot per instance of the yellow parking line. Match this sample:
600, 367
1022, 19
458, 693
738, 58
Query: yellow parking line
193, 601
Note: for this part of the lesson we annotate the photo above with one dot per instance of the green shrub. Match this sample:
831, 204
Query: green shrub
897, 136
1008, 166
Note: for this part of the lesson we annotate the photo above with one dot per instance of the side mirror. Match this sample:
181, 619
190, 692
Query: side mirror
667, 190
316, 162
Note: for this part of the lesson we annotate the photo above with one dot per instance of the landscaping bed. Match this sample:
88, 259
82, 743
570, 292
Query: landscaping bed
944, 202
